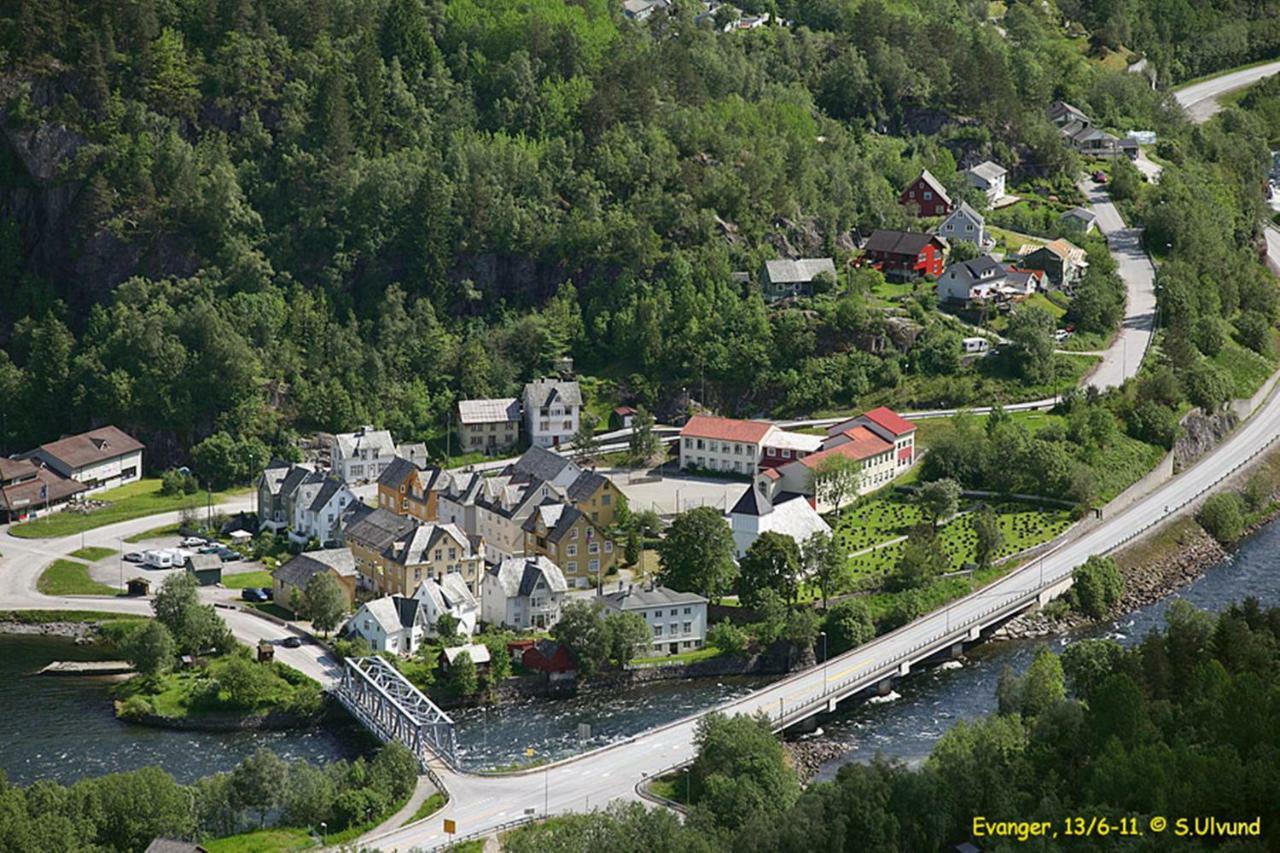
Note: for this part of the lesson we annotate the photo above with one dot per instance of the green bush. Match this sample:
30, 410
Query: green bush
136, 707
727, 638
1097, 586
1222, 515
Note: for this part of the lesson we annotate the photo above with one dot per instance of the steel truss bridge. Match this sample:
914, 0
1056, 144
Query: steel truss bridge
386, 704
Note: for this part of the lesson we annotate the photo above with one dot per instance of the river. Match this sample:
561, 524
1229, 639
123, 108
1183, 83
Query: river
933, 700
63, 727
66, 730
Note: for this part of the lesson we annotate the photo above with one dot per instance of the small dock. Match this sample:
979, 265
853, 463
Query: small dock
88, 667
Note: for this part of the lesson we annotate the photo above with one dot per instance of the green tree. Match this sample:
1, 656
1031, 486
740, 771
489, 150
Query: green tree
627, 634
986, 527
1030, 335
462, 675
921, 561
1086, 665
447, 630
582, 631
938, 500
643, 444
323, 602
259, 783
247, 684
196, 627
727, 638
740, 770
825, 560
835, 480
772, 562
848, 625
1096, 586
150, 649
696, 555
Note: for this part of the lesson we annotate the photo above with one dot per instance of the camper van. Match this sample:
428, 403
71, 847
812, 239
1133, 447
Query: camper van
976, 346
158, 559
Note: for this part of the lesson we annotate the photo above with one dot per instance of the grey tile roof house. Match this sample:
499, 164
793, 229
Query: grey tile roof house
782, 278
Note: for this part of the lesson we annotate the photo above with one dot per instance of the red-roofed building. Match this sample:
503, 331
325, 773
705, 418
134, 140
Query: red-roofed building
887, 424
926, 196
724, 444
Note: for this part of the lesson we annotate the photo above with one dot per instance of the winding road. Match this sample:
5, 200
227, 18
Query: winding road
1200, 100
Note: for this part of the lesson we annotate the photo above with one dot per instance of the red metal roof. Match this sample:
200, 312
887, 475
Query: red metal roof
890, 420
726, 429
862, 444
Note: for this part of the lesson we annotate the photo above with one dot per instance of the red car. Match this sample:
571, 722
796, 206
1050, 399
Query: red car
1100, 177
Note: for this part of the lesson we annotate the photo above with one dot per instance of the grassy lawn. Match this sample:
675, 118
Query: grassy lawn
261, 841
430, 806
42, 617
1122, 464
672, 786
988, 381
93, 553
67, 577
247, 579
1039, 300
272, 608
153, 533
683, 657
1247, 369
134, 500
188, 693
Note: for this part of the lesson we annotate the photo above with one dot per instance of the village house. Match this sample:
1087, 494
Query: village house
28, 488
968, 225
393, 554
989, 178
393, 623
560, 532
448, 596
309, 504
782, 278
205, 568
363, 455
926, 196
622, 417
502, 506
788, 514
489, 426
406, 489
905, 255
984, 279
595, 496
550, 658
291, 579
98, 459
478, 652
1079, 219
1062, 262
552, 408
538, 463
677, 620
523, 593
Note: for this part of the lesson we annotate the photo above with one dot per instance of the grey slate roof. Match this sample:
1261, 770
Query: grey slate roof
518, 575
543, 392
752, 503
200, 562
988, 170
557, 517
328, 489
585, 486
898, 242
540, 463
396, 472
638, 598
379, 528
420, 539
305, 566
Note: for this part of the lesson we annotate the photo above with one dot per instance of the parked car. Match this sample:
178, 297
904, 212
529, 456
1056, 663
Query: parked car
229, 556
252, 594
1100, 177
193, 542
133, 557
268, 592
1061, 335
291, 642
211, 548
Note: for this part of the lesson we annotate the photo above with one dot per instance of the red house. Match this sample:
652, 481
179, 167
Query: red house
905, 255
551, 658
926, 196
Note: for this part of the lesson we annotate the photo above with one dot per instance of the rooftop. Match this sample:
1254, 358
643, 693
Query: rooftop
640, 598
726, 429
502, 410
862, 444
88, 448
801, 270
888, 419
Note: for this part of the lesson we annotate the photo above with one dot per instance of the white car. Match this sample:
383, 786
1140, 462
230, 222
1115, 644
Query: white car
193, 542
1061, 335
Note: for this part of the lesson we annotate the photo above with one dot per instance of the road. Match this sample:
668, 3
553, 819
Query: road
23, 560
1200, 100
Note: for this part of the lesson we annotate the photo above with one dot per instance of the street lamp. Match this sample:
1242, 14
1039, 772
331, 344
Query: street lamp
324, 832
688, 793
823, 635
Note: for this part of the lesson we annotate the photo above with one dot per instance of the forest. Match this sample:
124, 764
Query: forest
261, 218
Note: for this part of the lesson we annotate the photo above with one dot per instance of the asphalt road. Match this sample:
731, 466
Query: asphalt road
1200, 100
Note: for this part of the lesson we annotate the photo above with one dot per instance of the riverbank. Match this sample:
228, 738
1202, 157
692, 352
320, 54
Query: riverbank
82, 626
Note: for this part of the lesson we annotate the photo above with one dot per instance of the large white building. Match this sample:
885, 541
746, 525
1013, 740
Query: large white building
989, 177
393, 623
755, 513
523, 592
740, 447
363, 455
677, 620
98, 459
449, 595
552, 409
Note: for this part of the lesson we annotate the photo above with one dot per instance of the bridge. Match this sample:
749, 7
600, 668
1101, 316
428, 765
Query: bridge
386, 704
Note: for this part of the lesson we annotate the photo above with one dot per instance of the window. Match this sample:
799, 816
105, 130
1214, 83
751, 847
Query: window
594, 548
657, 614
657, 630
688, 610
608, 547
606, 499
573, 565
688, 627
572, 551
675, 628
438, 553
593, 566
928, 196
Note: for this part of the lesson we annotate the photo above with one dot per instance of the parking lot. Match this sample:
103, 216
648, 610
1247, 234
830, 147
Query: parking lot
676, 492
114, 570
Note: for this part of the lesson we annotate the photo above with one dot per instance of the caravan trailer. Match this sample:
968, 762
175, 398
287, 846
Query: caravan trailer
976, 346
158, 559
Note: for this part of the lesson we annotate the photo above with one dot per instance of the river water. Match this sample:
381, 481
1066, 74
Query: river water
64, 729
933, 700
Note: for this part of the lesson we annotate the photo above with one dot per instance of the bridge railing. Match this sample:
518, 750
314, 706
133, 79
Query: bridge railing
387, 704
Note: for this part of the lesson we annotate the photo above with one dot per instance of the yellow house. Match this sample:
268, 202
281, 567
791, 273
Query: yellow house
563, 534
406, 489
394, 554
596, 497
